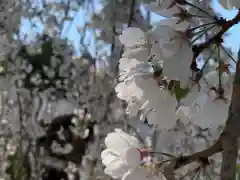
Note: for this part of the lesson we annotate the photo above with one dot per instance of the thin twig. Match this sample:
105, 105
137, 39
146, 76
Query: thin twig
228, 54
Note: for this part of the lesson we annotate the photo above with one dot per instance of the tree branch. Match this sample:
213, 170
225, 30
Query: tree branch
201, 157
232, 131
218, 37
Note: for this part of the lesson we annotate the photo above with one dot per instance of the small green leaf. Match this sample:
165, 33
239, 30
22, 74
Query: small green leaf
180, 92
3, 66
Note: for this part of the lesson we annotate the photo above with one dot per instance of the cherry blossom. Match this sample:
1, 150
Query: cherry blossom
123, 156
229, 4
134, 106
132, 94
123, 159
210, 109
166, 4
139, 53
168, 40
138, 174
139, 86
191, 97
174, 49
125, 91
210, 114
126, 65
175, 23
168, 13
133, 37
161, 105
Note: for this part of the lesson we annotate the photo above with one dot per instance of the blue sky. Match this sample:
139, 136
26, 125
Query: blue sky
71, 28
234, 38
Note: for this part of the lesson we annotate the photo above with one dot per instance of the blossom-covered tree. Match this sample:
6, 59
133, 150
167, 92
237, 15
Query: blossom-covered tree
167, 59
168, 89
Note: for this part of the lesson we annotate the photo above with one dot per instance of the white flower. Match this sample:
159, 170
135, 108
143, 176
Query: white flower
178, 67
183, 113
166, 40
175, 23
122, 154
140, 53
137, 174
125, 66
173, 48
208, 110
168, 138
166, 4
127, 91
135, 106
192, 95
229, 4
164, 117
212, 114
132, 67
211, 80
203, 6
161, 106
132, 37
169, 13
169, 39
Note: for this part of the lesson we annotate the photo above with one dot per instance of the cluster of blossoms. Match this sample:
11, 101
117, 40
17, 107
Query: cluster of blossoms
158, 65
125, 159
229, 4
165, 56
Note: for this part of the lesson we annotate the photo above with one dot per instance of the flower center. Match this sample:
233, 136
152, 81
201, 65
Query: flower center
142, 153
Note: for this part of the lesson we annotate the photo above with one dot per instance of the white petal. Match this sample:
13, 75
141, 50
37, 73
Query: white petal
178, 67
140, 53
161, 105
132, 37
168, 41
166, 3
164, 118
159, 32
211, 79
126, 64
169, 13
175, 23
137, 174
132, 157
236, 3
129, 91
111, 140
123, 140
134, 106
226, 4
109, 156
213, 114
116, 169
191, 96
183, 114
